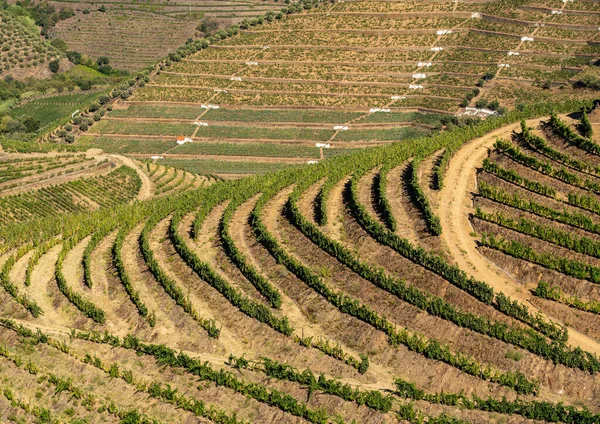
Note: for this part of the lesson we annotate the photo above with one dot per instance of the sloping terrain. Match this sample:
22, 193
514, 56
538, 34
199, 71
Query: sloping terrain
22, 51
138, 34
316, 84
447, 278
291, 297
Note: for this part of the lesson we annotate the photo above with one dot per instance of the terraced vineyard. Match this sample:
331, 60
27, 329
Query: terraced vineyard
323, 293
137, 34
350, 75
449, 278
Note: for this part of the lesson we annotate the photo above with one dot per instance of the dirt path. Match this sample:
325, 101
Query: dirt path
335, 210
396, 197
147, 188
456, 205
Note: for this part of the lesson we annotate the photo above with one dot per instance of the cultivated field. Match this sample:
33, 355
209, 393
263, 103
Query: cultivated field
352, 289
137, 34
306, 86
448, 278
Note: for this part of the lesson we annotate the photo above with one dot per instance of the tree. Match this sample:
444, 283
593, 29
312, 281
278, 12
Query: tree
59, 44
74, 57
102, 61
54, 66
585, 127
208, 26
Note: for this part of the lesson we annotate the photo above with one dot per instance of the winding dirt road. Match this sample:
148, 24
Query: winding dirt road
455, 206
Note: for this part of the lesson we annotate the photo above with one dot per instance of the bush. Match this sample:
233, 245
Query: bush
54, 66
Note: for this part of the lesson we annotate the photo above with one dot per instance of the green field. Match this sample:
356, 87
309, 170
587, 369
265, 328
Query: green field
142, 128
391, 134
210, 166
151, 111
49, 111
280, 115
255, 132
156, 147
247, 149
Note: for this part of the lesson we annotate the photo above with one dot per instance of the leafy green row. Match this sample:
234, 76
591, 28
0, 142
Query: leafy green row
13, 290
545, 168
246, 305
514, 200
583, 245
260, 282
373, 399
335, 351
551, 261
96, 238
85, 306
430, 348
37, 254
478, 289
166, 394
204, 371
539, 144
171, 286
66, 385
530, 409
418, 197
382, 206
439, 168
117, 260
564, 131
511, 176
587, 202
545, 291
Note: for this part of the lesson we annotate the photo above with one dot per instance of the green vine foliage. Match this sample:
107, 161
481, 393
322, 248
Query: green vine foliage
417, 195
561, 129
530, 409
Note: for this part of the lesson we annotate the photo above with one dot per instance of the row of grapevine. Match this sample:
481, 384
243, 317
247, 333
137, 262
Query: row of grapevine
382, 206
373, 399
545, 291
13, 290
513, 177
170, 286
545, 168
134, 295
551, 261
430, 348
478, 289
420, 200
530, 409
85, 306
439, 168
539, 144
559, 128
583, 245
515, 201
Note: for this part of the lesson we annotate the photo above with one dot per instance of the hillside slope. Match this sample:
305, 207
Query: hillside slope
355, 74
